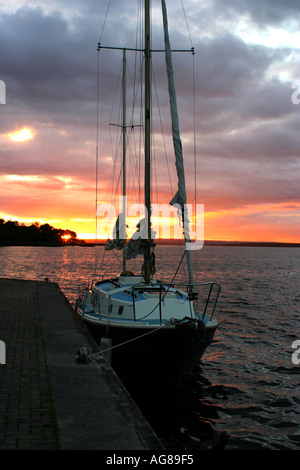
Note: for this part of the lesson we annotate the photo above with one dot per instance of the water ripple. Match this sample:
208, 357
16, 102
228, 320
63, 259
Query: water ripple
245, 393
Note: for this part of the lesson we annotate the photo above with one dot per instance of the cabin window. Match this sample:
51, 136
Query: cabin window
120, 310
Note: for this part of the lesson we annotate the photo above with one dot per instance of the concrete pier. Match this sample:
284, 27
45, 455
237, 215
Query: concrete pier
48, 400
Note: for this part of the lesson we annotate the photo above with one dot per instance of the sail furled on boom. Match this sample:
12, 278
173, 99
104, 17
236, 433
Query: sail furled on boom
180, 196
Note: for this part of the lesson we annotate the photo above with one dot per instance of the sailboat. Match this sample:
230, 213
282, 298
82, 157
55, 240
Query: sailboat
142, 322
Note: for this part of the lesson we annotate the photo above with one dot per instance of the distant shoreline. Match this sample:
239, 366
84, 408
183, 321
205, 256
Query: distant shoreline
90, 243
81, 243
213, 243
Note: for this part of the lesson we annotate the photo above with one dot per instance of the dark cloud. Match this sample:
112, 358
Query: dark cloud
248, 127
40, 57
265, 12
227, 65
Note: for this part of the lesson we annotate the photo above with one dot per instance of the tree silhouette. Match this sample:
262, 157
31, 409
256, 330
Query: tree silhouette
14, 233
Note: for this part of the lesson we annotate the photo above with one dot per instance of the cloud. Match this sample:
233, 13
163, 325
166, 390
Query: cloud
40, 63
266, 12
247, 126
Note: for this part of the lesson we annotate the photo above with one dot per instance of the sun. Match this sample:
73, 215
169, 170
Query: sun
21, 135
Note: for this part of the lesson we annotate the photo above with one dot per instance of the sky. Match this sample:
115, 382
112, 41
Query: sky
247, 105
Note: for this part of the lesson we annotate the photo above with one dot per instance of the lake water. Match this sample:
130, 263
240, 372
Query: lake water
245, 393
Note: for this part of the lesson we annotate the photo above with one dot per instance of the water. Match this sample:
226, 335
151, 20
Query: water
245, 393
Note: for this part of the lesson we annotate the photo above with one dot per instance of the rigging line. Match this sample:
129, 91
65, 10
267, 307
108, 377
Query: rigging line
195, 154
194, 94
164, 142
194, 108
169, 286
112, 176
194, 111
136, 81
187, 25
138, 45
107, 10
178, 267
162, 130
116, 94
138, 105
154, 166
118, 258
111, 183
134, 183
117, 141
131, 141
159, 247
97, 143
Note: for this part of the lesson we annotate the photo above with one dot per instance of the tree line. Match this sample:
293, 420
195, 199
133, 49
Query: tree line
15, 233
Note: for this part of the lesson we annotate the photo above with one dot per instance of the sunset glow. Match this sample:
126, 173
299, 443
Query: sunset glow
247, 125
21, 135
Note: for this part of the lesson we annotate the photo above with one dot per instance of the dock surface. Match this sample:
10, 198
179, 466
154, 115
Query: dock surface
48, 400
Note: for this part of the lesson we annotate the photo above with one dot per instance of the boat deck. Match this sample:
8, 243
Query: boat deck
48, 400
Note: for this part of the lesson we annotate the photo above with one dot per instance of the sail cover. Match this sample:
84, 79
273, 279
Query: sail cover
180, 196
136, 245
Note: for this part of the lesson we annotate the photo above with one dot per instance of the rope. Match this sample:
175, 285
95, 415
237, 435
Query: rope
94, 356
84, 354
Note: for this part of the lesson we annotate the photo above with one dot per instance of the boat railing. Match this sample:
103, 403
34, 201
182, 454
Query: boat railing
203, 296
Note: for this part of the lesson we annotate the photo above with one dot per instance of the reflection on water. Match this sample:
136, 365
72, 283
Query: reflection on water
245, 394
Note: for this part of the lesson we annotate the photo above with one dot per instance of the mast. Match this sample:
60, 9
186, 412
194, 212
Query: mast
147, 266
124, 157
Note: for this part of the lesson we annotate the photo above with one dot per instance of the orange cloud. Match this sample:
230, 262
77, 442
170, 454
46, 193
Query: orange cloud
256, 222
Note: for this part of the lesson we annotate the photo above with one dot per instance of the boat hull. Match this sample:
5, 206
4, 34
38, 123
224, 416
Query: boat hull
168, 353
